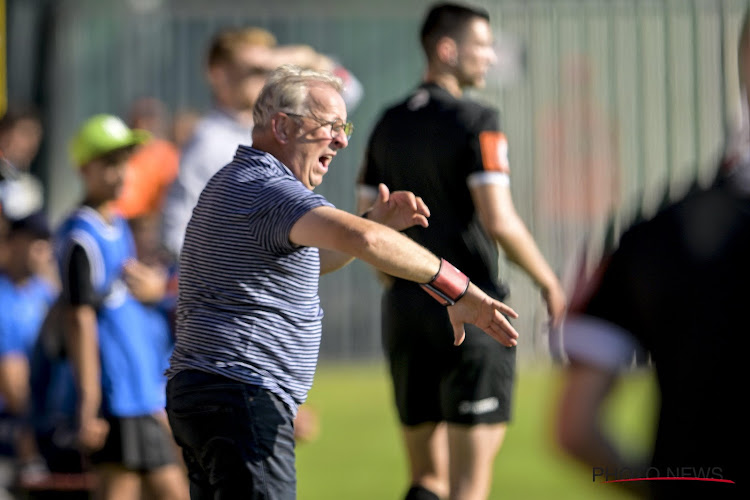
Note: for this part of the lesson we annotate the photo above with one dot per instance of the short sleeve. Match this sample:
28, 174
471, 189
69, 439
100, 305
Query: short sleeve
488, 146
77, 286
10, 342
284, 201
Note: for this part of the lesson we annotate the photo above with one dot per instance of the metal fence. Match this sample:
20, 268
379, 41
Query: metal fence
608, 105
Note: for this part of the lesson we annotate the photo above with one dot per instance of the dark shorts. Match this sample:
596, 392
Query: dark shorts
237, 439
141, 444
57, 443
435, 381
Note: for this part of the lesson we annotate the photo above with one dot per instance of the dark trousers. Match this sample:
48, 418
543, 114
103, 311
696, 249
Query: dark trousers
237, 439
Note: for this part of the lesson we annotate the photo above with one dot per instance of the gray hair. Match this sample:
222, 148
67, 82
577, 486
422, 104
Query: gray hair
287, 89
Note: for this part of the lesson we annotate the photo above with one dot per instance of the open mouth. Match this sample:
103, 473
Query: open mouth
325, 160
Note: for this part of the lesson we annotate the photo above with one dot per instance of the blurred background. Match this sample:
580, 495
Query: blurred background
611, 107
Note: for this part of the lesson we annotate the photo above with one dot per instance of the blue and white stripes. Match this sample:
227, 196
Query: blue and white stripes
248, 304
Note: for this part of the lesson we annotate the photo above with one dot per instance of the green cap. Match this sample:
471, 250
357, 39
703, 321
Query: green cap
102, 134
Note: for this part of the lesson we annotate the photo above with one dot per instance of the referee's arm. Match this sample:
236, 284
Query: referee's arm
499, 218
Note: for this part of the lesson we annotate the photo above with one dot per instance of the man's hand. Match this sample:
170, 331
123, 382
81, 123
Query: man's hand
398, 210
147, 284
478, 308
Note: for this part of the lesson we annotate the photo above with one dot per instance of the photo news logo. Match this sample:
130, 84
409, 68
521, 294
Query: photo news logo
625, 474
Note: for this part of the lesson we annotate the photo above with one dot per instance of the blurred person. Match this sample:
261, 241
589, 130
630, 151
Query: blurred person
183, 126
21, 192
53, 416
674, 286
150, 171
109, 332
453, 404
20, 136
238, 61
153, 166
249, 315
578, 141
25, 297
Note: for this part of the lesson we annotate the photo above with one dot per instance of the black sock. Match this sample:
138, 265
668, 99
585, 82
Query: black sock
420, 493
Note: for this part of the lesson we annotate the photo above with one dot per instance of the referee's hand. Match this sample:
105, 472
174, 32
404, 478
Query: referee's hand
478, 308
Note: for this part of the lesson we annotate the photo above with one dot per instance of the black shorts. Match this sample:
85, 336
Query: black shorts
57, 443
140, 444
435, 381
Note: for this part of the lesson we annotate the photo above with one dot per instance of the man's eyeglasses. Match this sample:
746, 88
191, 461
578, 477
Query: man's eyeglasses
337, 126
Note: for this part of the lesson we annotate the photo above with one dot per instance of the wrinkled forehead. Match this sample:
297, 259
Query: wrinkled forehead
326, 102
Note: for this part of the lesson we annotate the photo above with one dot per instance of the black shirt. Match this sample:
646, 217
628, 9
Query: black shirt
430, 144
679, 284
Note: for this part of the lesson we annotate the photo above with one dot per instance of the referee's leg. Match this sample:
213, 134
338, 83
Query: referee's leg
472, 456
427, 451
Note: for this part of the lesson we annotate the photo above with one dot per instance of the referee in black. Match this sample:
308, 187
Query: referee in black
453, 403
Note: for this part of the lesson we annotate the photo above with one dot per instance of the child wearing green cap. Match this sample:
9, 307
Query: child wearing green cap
111, 331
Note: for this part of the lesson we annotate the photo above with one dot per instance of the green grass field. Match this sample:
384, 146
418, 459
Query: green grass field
358, 453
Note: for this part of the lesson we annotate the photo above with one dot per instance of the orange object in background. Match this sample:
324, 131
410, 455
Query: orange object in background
151, 170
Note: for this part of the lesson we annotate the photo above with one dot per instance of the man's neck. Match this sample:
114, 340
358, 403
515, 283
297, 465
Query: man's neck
242, 117
446, 81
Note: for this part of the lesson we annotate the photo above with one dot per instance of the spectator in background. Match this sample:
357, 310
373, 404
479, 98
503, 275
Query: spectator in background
153, 166
25, 297
453, 403
21, 193
150, 171
183, 126
676, 285
237, 64
20, 136
109, 331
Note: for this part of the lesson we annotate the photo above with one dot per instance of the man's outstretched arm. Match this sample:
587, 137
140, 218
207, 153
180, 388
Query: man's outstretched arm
398, 210
393, 253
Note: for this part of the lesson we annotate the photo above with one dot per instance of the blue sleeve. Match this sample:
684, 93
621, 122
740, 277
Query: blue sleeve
10, 341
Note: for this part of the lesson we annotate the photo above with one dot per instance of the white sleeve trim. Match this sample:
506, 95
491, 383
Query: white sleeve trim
598, 342
484, 178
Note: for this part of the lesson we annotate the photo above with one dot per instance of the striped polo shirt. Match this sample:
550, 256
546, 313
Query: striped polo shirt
248, 305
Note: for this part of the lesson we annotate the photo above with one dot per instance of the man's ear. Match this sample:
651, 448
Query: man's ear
281, 126
447, 51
